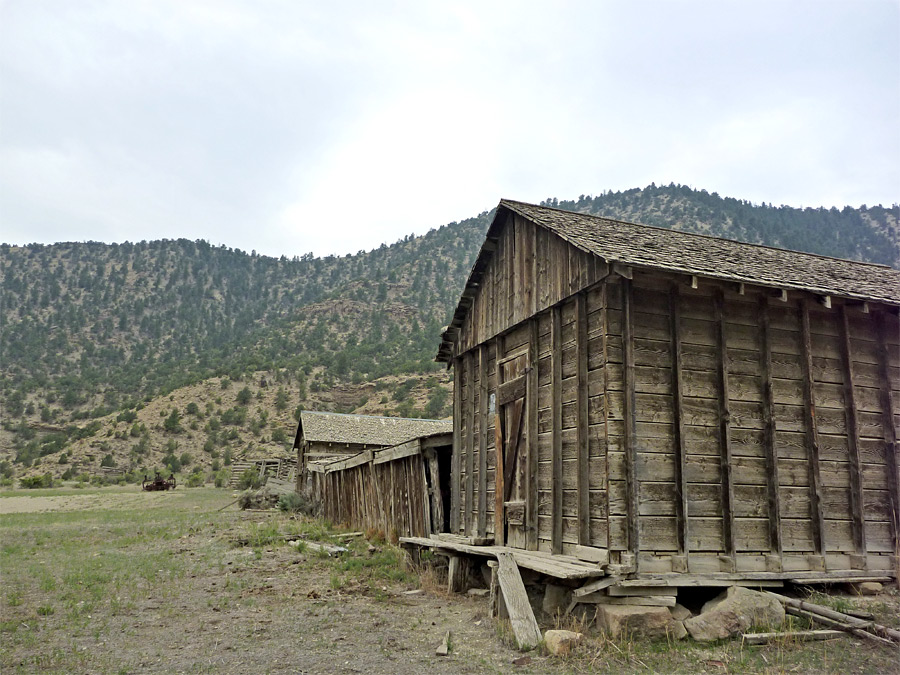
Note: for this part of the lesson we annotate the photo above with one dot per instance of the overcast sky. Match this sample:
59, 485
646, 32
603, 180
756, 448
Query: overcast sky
331, 127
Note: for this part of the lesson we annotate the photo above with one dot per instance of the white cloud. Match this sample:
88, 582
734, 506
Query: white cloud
287, 127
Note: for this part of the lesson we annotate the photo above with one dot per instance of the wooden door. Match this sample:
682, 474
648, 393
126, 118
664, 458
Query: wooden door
511, 445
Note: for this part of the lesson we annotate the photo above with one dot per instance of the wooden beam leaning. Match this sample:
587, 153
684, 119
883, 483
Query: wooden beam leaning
856, 497
728, 528
817, 515
470, 442
581, 364
482, 439
521, 616
773, 483
631, 485
457, 445
531, 473
681, 503
890, 431
556, 427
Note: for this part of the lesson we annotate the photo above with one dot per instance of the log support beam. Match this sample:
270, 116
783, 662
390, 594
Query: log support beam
852, 418
890, 432
556, 428
581, 365
681, 501
728, 528
470, 443
531, 477
772, 479
482, 439
817, 515
455, 464
632, 488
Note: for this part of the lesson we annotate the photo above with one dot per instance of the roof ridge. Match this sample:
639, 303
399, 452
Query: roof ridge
375, 417
697, 234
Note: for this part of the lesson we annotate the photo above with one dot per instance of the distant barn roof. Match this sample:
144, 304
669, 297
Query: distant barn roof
648, 247
325, 427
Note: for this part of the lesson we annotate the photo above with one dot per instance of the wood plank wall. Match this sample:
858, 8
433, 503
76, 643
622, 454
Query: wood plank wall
387, 497
744, 412
530, 271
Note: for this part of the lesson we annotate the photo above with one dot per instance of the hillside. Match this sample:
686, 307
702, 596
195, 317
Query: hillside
98, 337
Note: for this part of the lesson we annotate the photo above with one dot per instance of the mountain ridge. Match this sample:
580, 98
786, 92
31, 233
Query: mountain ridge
92, 330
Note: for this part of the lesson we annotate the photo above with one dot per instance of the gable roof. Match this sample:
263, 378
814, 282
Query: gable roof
648, 247
326, 427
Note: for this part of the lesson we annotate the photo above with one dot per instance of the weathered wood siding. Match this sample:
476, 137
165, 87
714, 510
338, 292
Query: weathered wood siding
531, 270
713, 428
387, 497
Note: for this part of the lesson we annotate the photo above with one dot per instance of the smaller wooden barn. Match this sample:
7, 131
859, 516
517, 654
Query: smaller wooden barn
325, 437
402, 491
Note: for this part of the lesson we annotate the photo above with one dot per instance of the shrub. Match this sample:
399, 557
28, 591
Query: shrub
221, 479
250, 480
33, 482
297, 502
195, 480
173, 422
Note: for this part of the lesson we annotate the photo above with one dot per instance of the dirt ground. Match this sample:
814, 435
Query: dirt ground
297, 623
213, 606
240, 610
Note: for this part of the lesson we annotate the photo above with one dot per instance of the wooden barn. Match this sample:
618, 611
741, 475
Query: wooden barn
666, 405
324, 436
403, 490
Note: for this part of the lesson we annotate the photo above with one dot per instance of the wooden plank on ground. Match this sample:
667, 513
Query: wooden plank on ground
521, 616
792, 636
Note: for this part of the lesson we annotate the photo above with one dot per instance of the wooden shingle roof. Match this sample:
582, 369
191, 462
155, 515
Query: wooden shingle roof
326, 427
701, 255
647, 247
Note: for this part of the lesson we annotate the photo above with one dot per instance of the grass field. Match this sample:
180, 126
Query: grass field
115, 580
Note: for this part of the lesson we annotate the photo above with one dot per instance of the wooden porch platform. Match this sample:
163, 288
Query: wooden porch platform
570, 567
559, 566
